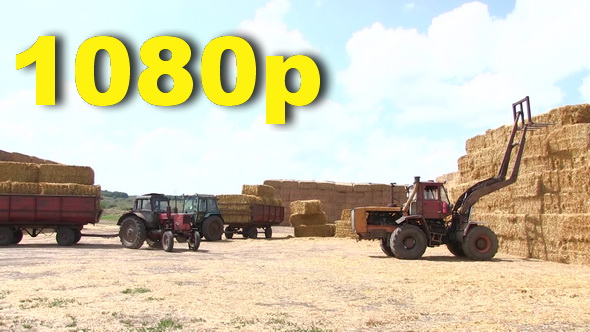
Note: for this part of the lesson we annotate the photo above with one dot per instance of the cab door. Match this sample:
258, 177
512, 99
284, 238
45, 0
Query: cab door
431, 203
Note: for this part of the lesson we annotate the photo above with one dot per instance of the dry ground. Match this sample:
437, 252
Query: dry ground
282, 284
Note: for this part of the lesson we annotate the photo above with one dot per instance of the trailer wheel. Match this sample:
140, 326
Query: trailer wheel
268, 232
18, 236
6, 236
65, 236
212, 228
480, 244
77, 235
168, 241
385, 246
251, 232
194, 242
132, 233
153, 244
456, 248
229, 232
408, 242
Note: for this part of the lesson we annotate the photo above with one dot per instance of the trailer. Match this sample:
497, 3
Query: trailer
33, 214
250, 218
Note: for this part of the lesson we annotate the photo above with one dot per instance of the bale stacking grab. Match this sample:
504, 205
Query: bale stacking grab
309, 220
255, 208
37, 198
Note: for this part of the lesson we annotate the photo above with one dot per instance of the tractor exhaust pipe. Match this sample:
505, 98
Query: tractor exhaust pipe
416, 179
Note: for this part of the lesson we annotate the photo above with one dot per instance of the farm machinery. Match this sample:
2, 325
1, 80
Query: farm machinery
153, 220
428, 218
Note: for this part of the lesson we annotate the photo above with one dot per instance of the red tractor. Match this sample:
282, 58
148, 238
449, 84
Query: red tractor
429, 219
151, 220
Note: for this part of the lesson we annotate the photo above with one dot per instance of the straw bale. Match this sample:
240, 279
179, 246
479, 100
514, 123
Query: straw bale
291, 184
271, 201
343, 187
345, 215
308, 185
315, 230
239, 199
331, 186
69, 189
344, 229
5, 156
277, 184
258, 190
308, 219
21, 158
25, 188
5, 187
566, 115
57, 173
306, 207
19, 172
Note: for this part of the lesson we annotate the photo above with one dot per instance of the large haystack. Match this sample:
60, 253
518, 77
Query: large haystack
546, 213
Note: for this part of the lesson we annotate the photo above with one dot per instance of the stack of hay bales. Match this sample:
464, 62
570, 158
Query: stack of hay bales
344, 226
237, 209
23, 158
46, 179
546, 213
309, 220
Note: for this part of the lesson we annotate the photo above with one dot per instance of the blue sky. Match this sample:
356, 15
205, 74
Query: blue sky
404, 84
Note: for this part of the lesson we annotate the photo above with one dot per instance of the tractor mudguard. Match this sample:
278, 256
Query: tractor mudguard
137, 214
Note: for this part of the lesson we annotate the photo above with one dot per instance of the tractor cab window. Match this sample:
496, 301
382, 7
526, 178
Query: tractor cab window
431, 192
160, 205
212, 204
443, 195
143, 204
202, 205
189, 205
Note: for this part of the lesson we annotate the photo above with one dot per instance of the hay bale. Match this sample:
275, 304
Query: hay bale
5, 156
277, 184
30, 188
331, 186
272, 201
19, 172
308, 219
5, 187
315, 231
21, 158
345, 215
258, 190
344, 229
57, 173
73, 189
306, 207
239, 199
361, 187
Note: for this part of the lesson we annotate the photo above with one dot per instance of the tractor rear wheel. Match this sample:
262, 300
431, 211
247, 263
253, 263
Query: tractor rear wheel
385, 246
18, 236
194, 242
408, 242
251, 232
229, 232
132, 233
212, 228
268, 232
6, 236
480, 244
65, 236
168, 241
456, 248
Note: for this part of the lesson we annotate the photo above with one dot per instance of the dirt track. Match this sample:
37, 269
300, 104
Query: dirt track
282, 284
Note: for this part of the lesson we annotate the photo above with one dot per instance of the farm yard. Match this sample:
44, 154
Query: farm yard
280, 284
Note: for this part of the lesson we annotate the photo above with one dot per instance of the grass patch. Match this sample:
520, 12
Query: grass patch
151, 298
137, 290
60, 303
3, 294
165, 324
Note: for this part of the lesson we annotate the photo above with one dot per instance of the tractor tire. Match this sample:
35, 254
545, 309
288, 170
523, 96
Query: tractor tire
168, 241
153, 244
268, 232
250, 232
194, 242
212, 228
65, 236
385, 246
18, 236
77, 235
408, 242
480, 244
6, 236
229, 232
132, 233
456, 248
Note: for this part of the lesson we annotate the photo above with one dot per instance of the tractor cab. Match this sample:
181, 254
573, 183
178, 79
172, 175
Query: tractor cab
429, 200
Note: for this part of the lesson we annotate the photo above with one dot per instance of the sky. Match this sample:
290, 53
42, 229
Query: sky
403, 85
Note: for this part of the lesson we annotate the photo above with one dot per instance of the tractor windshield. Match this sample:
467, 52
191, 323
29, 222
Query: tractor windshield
190, 205
160, 205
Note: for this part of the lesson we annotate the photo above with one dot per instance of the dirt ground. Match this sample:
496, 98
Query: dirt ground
281, 284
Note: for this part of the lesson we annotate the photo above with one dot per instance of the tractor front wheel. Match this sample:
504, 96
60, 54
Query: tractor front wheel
132, 233
456, 248
385, 246
194, 242
168, 241
480, 244
408, 242
212, 228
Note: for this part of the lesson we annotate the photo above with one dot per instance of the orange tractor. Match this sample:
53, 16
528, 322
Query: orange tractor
428, 219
